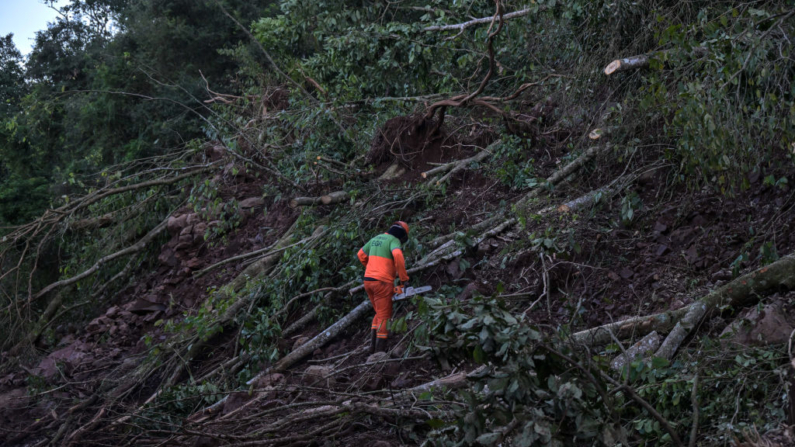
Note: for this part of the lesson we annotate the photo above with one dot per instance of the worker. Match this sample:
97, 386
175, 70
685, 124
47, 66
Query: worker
383, 260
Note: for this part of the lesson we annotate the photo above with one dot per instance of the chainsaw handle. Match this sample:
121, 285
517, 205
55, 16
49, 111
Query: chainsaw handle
398, 289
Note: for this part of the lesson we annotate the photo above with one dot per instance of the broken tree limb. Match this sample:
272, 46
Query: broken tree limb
559, 177
646, 346
261, 266
444, 252
393, 171
523, 204
689, 321
643, 60
235, 258
94, 223
335, 197
460, 27
741, 292
328, 199
458, 165
305, 201
592, 198
101, 194
332, 161
451, 382
267, 252
601, 335
585, 201
600, 132
138, 246
562, 174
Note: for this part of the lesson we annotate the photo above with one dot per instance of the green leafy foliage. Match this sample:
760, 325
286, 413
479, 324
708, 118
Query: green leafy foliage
551, 402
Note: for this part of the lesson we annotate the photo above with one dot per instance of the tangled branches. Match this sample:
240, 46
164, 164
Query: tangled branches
22, 248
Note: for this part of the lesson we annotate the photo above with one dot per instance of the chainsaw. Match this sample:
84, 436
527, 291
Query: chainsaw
402, 293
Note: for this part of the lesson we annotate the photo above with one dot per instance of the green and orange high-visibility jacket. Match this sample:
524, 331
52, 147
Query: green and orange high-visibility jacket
382, 257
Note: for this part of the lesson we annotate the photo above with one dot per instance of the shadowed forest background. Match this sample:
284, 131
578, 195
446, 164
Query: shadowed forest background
599, 194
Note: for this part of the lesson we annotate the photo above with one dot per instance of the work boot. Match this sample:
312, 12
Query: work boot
373, 339
381, 345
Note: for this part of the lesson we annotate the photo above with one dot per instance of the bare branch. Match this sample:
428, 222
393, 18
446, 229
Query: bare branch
460, 27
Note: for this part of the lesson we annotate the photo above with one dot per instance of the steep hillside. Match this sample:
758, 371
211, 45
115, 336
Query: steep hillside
609, 241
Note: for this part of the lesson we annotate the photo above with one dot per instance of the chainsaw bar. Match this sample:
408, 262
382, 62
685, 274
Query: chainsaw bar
411, 291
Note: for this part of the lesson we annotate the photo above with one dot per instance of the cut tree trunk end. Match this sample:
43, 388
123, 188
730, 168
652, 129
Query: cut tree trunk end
642, 60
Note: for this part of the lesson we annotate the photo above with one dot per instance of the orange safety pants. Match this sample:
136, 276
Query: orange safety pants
380, 294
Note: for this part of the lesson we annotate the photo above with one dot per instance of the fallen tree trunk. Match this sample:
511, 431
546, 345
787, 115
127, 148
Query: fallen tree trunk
90, 224
741, 292
35, 332
689, 321
451, 382
643, 60
635, 326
